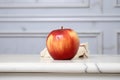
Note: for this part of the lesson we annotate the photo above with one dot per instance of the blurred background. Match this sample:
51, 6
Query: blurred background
24, 24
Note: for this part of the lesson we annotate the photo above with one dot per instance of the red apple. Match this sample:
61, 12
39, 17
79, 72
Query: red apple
62, 44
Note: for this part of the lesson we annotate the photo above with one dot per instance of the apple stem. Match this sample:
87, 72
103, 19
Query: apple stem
61, 27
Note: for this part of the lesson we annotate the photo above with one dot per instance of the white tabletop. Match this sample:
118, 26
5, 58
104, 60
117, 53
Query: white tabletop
33, 63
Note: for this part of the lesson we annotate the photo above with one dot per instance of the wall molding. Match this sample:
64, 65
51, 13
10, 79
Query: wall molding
86, 4
96, 35
55, 18
117, 42
117, 4
23, 34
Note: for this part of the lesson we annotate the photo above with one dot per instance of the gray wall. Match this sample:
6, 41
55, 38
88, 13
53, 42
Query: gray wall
24, 24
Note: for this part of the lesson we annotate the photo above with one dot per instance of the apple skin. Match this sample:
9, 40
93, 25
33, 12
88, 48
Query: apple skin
62, 44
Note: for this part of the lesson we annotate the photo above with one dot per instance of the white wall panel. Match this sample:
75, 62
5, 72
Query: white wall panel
42, 7
112, 8
118, 42
45, 4
16, 1
21, 43
96, 21
34, 42
117, 3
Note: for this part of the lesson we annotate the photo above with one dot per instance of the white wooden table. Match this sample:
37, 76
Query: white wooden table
30, 67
